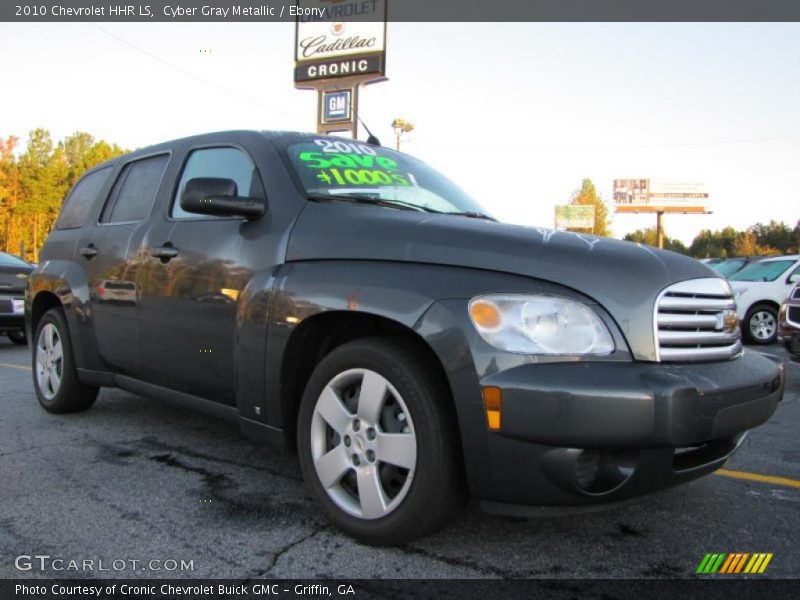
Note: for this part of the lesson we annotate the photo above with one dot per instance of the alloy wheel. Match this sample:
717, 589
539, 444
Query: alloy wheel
363, 444
762, 325
49, 361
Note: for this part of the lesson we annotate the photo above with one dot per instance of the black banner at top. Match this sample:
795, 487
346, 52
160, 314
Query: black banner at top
399, 10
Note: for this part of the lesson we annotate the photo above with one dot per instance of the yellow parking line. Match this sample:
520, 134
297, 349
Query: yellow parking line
795, 483
10, 366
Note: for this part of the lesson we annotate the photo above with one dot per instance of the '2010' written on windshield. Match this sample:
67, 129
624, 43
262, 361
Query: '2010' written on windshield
343, 163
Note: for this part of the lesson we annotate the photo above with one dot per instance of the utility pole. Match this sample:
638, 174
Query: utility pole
400, 127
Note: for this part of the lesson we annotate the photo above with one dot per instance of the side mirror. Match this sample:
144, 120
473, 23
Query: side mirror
217, 196
793, 278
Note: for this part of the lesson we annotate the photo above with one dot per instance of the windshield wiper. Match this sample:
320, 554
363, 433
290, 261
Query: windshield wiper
392, 203
472, 215
399, 204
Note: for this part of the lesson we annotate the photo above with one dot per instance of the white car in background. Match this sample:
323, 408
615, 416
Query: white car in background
759, 289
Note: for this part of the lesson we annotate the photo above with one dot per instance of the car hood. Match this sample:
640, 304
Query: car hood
624, 277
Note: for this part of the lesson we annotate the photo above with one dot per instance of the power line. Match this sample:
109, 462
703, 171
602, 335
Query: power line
194, 76
618, 146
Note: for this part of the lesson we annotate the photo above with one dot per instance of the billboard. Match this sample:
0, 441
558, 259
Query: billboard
658, 193
572, 216
340, 39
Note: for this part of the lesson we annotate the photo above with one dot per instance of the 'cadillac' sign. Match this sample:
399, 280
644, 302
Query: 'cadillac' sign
328, 47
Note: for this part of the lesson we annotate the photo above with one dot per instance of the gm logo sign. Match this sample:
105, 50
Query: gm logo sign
337, 106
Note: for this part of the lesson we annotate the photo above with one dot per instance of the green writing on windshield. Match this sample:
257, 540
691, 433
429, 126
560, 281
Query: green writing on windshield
353, 169
318, 160
373, 177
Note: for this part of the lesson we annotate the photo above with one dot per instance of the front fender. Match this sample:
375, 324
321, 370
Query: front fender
397, 291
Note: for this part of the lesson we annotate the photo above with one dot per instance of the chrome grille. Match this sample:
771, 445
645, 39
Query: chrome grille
693, 321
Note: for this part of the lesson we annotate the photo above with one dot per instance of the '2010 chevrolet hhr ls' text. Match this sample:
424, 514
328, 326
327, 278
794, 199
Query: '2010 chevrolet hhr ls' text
355, 304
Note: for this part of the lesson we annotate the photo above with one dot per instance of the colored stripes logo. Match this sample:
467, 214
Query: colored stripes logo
737, 562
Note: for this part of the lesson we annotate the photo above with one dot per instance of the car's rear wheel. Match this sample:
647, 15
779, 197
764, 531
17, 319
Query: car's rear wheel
378, 443
55, 378
18, 337
761, 324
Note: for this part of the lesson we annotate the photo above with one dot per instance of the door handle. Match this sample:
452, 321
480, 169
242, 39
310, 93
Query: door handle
89, 252
166, 253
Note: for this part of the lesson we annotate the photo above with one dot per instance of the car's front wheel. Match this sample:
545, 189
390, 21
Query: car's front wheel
55, 378
378, 443
761, 324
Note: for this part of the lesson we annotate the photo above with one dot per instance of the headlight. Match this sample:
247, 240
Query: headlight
737, 292
539, 324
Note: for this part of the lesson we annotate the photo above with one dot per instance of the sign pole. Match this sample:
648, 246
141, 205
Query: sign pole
660, 229
336, 58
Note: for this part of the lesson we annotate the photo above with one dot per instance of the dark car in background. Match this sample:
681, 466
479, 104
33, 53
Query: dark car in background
352, 302
13, 281
789, 323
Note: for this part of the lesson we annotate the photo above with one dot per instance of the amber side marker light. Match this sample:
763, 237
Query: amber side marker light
485, 314
493, 403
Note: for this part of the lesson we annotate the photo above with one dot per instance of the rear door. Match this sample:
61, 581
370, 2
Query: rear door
107, 251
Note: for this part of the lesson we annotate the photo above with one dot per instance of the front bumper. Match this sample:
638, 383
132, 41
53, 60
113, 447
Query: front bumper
10, 323
585, 433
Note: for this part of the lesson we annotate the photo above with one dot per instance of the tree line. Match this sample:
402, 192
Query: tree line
758, 240
34, 181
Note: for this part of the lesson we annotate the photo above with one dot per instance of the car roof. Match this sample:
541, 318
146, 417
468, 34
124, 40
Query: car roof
276, 135
786, 257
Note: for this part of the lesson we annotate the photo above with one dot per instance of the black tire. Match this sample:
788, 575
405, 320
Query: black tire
758, 311
18, 337
437, 491
71, 395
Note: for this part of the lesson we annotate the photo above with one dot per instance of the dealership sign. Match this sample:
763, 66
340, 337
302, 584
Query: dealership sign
338, 39
659, 193
574, 216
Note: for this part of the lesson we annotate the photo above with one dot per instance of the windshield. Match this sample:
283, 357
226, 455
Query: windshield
8, 260
726, 268
345, 168
763, 271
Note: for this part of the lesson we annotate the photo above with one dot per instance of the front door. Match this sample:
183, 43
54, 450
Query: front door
190, 286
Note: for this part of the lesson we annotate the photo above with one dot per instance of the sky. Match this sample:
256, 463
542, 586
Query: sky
516, 113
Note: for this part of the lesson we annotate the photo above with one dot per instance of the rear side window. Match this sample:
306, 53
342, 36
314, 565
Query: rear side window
81, 199
224, 163
135, 190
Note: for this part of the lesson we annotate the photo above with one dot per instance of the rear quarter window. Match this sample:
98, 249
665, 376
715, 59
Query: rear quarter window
81, 199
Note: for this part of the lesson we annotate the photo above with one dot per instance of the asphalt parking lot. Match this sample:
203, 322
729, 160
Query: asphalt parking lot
134, 479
